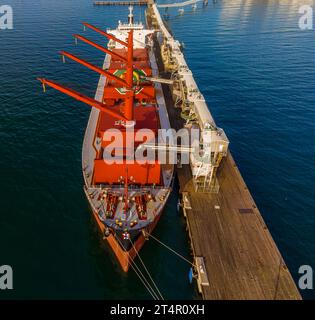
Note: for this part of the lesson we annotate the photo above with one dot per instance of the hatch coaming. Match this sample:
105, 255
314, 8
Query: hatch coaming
146, 119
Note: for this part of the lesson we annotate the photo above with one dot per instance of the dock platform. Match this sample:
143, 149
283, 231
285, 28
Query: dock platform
226, 228
234, 254
241, 259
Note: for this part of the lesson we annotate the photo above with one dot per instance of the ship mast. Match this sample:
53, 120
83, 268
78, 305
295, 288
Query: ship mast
130, 16
130, 97
129, 79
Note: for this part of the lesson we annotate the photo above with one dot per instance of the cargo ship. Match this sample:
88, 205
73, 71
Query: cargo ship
126, 197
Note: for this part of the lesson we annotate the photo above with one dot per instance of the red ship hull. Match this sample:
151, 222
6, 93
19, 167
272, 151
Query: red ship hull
124, 258
110, 181
126, 194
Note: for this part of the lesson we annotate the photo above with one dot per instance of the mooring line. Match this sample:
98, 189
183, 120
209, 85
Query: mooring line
169, 248
157, 289
149, 290
141, 276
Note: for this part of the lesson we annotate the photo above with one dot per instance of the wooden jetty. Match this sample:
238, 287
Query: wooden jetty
227, 231
234, 253
121, 3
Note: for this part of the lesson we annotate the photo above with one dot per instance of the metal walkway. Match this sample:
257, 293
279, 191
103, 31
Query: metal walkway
178, 4
121, 3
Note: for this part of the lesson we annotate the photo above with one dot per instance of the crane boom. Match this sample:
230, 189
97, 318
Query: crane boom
81, 97
101, 48
105, 34
94, 68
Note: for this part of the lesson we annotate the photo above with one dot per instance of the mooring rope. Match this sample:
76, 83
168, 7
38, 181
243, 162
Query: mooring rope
172, 250
140, 274
145, 268
143, 282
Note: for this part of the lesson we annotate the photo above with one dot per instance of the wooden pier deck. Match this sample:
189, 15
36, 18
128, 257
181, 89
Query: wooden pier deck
227, 230
241, 259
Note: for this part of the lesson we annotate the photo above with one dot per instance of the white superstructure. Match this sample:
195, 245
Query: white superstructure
140, 34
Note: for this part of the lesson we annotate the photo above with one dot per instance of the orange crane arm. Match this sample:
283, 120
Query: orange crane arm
129, 73
94, 68
81, 97
107, 35
129, 78
101, 48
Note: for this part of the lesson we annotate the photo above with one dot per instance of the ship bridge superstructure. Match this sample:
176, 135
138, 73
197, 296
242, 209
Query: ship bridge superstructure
141, 35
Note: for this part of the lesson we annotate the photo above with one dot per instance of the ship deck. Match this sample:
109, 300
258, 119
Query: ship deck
149, 185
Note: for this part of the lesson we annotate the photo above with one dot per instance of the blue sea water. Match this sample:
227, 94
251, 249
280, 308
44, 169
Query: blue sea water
256, 69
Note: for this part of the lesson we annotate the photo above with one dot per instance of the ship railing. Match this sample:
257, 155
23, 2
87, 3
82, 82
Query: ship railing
130, 187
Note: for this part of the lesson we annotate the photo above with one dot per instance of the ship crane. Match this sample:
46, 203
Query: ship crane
127, 83
81, 97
